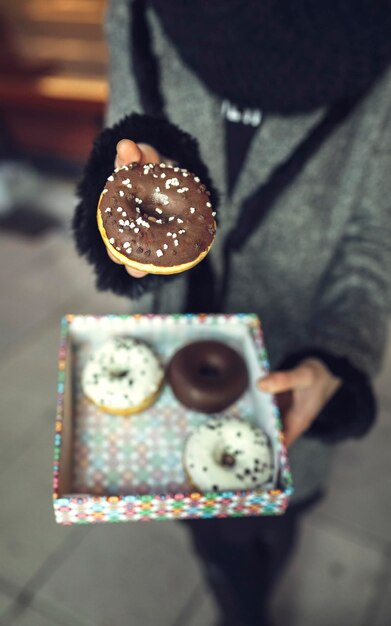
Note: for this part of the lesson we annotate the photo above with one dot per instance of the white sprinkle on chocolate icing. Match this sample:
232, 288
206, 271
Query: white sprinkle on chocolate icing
159, 252
111, 178
121, 193
108, 210
126, 244
125, 181
104, 191
171, 182
179, 220
158, 210
165, 246
208, 204
183, 190
192, 209
111, 240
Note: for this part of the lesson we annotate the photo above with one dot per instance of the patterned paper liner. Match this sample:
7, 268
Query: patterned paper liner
131, 469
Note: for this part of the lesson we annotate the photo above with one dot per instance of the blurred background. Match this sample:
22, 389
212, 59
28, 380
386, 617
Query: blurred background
52, 100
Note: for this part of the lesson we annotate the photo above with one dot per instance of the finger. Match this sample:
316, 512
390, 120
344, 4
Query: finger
297, 378
130, 270
149, 154
135, 273
284, 402
295, 424
127, 152
113, 258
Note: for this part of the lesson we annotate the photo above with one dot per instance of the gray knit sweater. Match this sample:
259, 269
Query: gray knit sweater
318, 271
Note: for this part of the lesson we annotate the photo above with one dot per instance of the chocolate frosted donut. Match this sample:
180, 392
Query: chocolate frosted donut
207, 376
156, 218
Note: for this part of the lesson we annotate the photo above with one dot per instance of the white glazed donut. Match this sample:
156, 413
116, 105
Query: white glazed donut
123, 376
228, 454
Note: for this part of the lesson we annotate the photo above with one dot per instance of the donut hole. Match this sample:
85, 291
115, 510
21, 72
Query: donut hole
227, 459
118, 374
148, 212
154, 218
223, 456
209, 372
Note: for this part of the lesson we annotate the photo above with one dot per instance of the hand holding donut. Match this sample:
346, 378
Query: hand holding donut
302, 392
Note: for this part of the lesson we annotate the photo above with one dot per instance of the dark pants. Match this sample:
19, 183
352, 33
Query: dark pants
243, 559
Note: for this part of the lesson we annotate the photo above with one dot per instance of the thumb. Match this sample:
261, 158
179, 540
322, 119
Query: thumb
129, 151
300, 377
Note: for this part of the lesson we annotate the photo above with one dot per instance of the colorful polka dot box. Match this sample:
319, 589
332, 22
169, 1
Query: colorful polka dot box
110, 468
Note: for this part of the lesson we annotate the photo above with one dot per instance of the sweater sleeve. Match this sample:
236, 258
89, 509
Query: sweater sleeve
353, 301
348, 329
169, 140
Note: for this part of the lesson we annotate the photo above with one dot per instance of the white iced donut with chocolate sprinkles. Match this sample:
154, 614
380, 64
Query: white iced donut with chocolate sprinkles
228, 454
123, 376
156, 218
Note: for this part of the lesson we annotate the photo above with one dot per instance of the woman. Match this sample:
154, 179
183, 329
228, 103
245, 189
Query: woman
289, 106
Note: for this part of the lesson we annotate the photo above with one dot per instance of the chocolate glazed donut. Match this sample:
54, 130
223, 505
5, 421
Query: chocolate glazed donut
207, 376
156, 218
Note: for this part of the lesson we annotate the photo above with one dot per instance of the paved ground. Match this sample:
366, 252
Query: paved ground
145, 574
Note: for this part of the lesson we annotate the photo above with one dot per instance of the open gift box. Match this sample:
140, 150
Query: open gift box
110, 468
